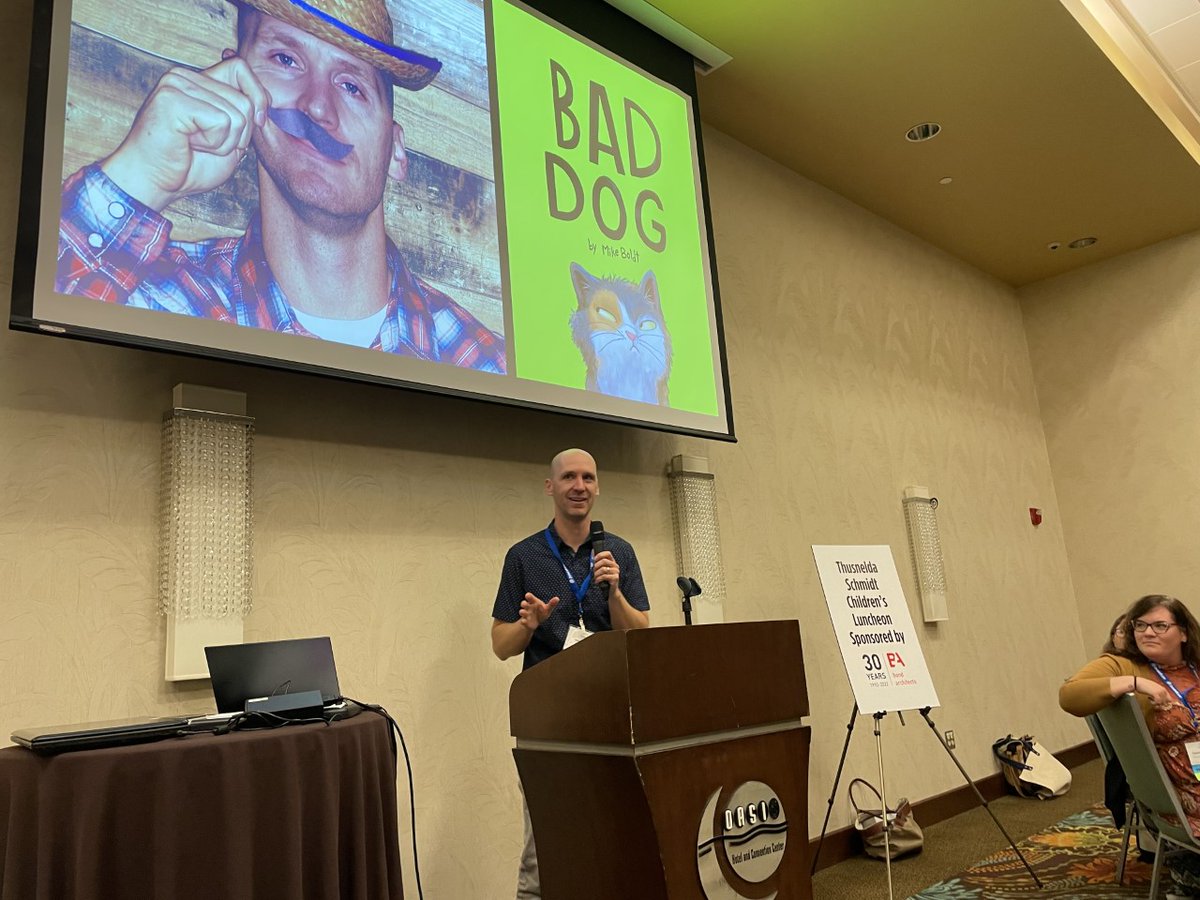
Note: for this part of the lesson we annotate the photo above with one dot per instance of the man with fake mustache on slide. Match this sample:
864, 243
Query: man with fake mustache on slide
310, 87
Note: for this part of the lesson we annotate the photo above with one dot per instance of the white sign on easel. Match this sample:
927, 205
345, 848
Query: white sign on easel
874, 629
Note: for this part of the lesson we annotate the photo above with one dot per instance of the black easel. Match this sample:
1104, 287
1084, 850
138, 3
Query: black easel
941, 740
979, 796
837, 778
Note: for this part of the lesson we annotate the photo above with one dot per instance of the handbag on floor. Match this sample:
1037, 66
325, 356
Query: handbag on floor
1030, 769
904, 834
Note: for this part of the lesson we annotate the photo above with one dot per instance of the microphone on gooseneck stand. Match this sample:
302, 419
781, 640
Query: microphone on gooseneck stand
598, 545
690, 589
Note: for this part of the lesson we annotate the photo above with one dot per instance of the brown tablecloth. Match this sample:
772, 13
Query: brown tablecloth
304, 811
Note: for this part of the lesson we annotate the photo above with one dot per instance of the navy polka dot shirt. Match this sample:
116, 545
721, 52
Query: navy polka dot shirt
531, 567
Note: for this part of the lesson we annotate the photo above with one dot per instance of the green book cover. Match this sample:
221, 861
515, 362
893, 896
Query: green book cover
604, 230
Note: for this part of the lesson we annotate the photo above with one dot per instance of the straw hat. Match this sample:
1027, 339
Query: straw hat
360, 27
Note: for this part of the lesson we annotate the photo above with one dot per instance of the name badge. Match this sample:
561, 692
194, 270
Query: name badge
575, 634
1193, 752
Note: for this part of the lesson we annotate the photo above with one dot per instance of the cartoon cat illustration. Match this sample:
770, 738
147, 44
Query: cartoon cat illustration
620, 331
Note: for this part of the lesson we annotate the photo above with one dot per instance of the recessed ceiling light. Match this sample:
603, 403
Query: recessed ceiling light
923, 132
945, 180
1081, 243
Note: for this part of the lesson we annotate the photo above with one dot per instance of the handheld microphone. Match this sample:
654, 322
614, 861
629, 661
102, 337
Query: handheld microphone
596, 533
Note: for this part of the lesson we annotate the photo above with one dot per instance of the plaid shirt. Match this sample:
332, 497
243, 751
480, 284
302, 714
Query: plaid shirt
115, 249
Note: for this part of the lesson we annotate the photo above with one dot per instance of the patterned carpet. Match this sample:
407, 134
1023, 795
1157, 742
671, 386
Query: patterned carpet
1075, 858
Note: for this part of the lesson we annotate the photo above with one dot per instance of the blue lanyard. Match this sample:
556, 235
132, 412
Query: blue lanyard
579, 590
1174, 690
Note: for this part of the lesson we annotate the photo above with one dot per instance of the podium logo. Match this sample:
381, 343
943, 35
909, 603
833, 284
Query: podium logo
749, 830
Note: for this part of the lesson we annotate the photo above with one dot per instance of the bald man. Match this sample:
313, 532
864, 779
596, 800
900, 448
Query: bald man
555, 591
552, 589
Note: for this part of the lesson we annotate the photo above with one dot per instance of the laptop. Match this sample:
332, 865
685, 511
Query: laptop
93, 735
242, 672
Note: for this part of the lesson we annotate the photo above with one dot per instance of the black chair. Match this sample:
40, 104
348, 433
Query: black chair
1107, 754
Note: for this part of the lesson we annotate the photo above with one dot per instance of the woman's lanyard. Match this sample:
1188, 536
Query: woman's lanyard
579, 590
1179, 696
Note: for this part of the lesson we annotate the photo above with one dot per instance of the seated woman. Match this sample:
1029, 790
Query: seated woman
1161, 668
1118, 637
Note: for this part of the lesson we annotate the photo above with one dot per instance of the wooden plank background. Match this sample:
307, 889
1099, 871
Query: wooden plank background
443, 217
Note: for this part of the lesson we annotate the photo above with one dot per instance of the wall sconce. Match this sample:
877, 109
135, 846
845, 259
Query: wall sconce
697, 533
926, 547
206, 525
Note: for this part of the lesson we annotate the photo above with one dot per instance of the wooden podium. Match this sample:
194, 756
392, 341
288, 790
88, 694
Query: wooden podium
668, 763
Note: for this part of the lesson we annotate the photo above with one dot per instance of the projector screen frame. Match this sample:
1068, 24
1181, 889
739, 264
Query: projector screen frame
595, 21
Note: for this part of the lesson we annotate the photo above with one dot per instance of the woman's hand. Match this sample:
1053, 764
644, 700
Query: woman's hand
1158, 695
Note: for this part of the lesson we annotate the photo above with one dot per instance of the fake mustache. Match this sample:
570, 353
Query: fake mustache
297, 123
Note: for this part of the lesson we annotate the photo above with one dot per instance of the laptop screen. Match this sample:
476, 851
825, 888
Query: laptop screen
242, 672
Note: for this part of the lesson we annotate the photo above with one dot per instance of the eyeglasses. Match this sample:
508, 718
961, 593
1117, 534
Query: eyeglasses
1159, 627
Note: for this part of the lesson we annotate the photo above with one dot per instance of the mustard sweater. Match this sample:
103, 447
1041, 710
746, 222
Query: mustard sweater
1087, 691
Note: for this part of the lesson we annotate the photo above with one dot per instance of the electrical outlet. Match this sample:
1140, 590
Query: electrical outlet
950, 739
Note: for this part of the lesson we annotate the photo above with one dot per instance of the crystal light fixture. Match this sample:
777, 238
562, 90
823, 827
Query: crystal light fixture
206, 525
926, 545
697, 535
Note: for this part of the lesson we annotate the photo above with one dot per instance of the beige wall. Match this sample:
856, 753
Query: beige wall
1114, 349
861, 361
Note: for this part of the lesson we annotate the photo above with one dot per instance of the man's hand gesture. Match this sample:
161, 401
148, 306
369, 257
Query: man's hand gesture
190, 134
534, 612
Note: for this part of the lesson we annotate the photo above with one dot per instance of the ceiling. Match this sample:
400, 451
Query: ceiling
1045, 140
1173, 27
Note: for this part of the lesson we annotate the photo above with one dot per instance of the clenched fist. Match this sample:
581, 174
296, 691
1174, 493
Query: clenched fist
191, 133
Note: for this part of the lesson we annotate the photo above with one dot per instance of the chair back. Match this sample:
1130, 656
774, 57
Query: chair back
1125, 728
1103, 744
